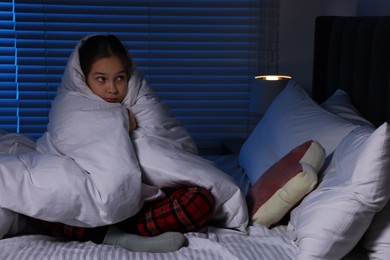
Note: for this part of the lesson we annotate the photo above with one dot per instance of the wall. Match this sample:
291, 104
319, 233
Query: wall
296, 33
373, 7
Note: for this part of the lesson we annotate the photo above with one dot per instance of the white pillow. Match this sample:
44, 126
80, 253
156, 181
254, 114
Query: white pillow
377, 238
341, 105
332, 219
292, 118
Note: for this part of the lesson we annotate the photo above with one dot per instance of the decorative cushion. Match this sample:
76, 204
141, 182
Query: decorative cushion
283, 185
341, 105
292, 118
331, 220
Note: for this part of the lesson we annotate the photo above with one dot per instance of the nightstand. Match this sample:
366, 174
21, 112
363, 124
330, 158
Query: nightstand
231, 146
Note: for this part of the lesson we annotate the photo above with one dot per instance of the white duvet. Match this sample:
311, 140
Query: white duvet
86, 170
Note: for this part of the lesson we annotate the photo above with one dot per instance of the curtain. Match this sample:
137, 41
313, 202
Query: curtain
200, 56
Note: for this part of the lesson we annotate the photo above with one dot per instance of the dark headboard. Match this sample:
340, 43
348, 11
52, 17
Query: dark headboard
353, 53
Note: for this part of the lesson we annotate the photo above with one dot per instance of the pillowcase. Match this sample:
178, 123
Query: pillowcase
332, 219
376, 241
341, 105
283, 185
292, 118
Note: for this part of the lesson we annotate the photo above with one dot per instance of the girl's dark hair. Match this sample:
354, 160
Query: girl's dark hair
103, 46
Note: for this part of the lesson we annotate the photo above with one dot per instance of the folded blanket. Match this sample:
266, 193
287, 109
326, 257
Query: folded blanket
88, 171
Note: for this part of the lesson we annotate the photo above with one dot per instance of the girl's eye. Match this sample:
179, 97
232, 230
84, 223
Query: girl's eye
100, 79
120, 78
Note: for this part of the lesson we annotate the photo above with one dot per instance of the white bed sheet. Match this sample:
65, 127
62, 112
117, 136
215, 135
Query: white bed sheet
259, 243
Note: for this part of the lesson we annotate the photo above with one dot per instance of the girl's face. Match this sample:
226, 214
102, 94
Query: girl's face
108, 80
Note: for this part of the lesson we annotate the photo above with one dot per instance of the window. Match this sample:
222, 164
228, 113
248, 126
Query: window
8, 82
199, 55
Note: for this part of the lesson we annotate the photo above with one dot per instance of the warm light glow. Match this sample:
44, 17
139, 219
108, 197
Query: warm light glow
272, 77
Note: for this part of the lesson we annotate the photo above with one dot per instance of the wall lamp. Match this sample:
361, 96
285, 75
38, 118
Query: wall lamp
264, 91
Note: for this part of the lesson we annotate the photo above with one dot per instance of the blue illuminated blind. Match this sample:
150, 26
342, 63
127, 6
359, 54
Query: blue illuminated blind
200, 56
8, 85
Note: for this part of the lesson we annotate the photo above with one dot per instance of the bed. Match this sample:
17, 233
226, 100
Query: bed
315, 169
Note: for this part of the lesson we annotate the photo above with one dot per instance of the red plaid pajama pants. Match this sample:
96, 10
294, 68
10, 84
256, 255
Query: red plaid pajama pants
182, 210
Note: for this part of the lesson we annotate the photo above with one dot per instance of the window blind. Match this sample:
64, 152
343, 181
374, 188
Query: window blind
200, 56
8, 83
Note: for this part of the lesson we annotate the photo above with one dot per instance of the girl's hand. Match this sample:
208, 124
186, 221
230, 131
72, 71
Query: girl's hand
132, 122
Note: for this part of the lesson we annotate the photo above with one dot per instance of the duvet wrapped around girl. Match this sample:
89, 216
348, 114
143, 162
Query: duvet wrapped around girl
112, 154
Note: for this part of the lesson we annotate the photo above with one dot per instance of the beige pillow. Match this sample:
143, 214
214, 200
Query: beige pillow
285, 183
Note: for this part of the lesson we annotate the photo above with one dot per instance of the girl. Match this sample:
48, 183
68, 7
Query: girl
107, 68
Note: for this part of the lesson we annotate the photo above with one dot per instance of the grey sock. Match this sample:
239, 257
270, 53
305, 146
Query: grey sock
166, 242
